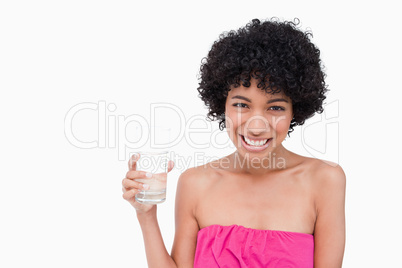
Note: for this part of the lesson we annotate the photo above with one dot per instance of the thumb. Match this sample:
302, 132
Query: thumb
132, 162
170, 165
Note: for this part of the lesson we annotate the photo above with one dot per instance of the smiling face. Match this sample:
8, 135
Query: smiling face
257, 122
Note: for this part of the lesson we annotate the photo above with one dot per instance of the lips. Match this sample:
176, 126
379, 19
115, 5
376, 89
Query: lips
255, 145
255, 142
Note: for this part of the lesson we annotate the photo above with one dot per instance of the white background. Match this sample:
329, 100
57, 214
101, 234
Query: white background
61, 205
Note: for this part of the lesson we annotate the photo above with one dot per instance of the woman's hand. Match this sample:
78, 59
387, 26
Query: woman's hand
132, 187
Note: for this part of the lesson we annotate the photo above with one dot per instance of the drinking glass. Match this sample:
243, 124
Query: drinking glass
155, 163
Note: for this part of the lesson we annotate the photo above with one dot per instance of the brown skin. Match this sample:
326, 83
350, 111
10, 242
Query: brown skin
293, 193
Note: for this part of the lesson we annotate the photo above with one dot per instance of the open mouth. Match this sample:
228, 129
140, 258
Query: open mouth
255, 144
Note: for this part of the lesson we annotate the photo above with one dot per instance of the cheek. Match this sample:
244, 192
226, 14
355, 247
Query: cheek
232, 123
231, 120
282, 126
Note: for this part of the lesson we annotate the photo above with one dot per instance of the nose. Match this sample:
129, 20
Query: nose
257, 125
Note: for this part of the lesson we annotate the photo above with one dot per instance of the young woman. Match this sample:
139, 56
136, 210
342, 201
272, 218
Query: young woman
262, 206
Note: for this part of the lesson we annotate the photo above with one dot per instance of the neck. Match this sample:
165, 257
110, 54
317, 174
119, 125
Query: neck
273, 161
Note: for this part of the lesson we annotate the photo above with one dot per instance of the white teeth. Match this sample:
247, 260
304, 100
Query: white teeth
255, 143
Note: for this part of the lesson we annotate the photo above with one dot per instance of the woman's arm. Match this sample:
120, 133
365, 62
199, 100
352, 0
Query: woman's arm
329, 231
185, 241
157, 255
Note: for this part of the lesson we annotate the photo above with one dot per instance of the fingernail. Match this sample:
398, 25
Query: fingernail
148, 175
145, 186
135, 155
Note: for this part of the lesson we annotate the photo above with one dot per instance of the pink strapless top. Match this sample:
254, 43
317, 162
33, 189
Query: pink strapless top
236, 246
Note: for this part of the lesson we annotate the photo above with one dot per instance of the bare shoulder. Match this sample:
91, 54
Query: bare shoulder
328, 174
195, 180
189, 179
197, 174
328, 181
318, 171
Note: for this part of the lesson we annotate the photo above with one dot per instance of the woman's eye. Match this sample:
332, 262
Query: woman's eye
277, 108
240, 105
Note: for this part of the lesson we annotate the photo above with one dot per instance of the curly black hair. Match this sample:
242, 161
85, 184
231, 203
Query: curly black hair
277, 54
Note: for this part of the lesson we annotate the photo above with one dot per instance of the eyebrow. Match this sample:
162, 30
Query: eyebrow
268, 102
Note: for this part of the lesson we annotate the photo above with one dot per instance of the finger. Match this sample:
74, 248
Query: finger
128, 195
170, 165
132, 163
137, 174
130, 184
